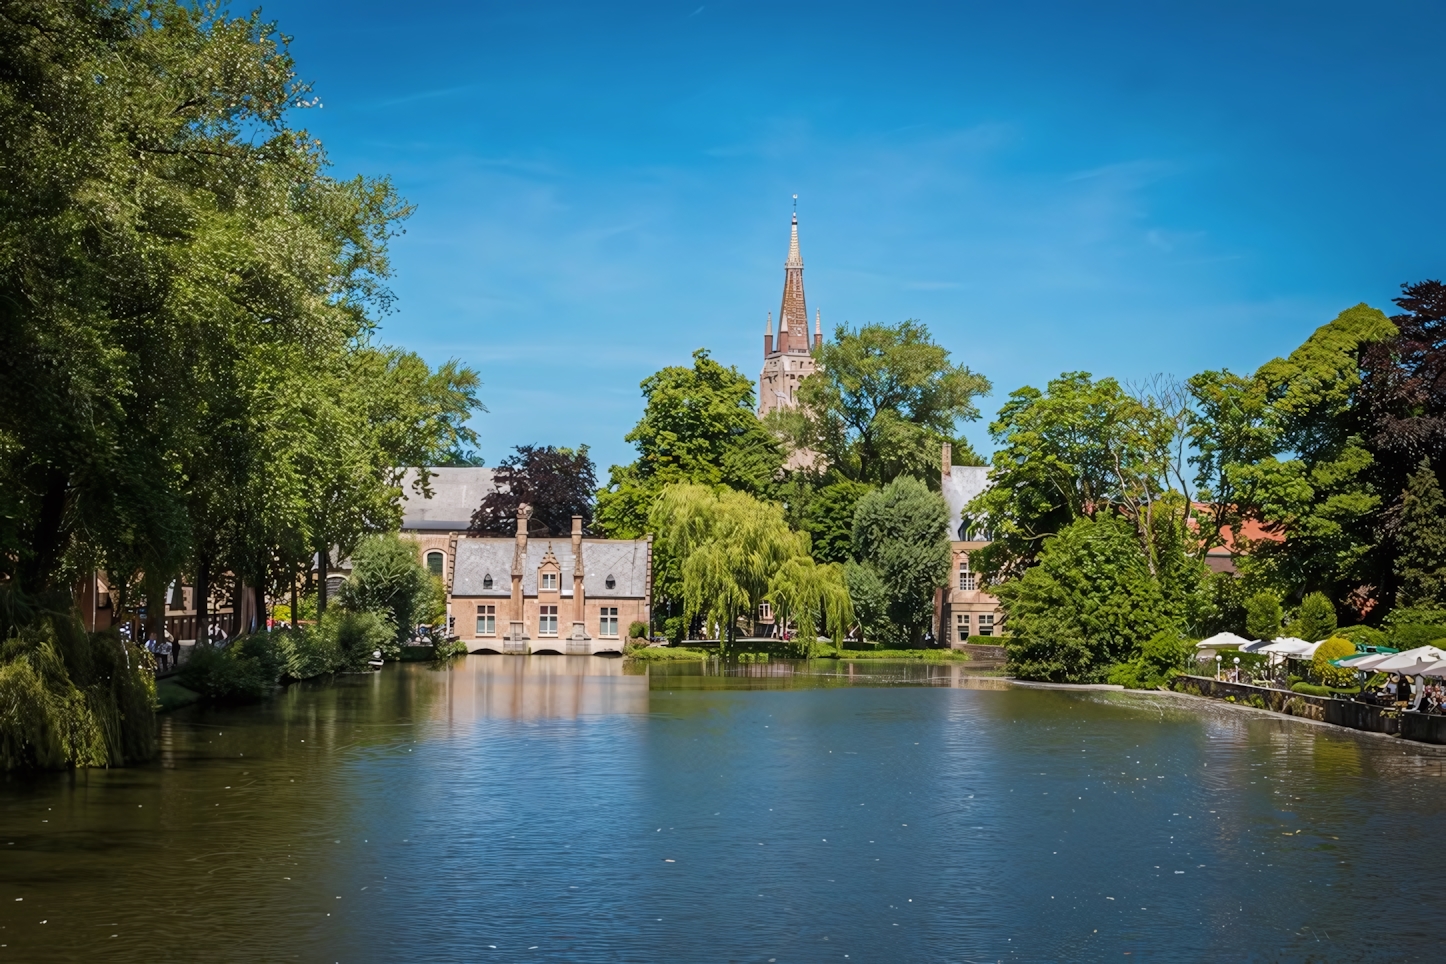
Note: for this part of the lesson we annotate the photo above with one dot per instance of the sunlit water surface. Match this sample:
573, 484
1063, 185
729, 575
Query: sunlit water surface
577, 809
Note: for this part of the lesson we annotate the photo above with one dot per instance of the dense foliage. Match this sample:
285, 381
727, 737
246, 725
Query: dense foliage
882, 401
558, 483
388, 579
902, 554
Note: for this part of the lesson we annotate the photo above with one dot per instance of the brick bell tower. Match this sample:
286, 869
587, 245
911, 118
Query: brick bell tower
789, 359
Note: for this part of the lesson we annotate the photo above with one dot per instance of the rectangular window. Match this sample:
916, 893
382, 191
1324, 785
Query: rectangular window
765, 611
961, 622
967, 581
486, 620
608, 621
986, 624
547, 620
549, 581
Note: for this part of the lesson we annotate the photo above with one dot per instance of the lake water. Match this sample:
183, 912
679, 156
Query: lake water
577, 809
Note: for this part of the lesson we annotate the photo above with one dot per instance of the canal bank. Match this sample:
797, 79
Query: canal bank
1411, 726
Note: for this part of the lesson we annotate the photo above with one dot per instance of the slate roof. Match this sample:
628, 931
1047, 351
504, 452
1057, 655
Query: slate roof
456, 494
626, 560
963, 483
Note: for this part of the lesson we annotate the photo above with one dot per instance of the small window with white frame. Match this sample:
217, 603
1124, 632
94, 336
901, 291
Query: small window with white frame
547, 621
549, 582
487, 620
961, 626
607, 623
986, 624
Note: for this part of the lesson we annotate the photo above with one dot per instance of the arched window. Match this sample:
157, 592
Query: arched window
610, 582
487, 581
435, 563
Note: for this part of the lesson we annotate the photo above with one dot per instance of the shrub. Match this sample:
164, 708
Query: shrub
447, 650
1320, 665
356, 635
387, 579
637, 630
1161, 657
1262, 615
1316, 618
1363, 636
227, 675
1410, 636
665, 653
307, 653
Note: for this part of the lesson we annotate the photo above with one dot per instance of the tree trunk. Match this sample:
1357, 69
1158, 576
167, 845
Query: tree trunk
48, 541
260, 606
295, 600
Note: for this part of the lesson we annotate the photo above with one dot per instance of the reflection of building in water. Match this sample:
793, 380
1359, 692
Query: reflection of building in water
554, 687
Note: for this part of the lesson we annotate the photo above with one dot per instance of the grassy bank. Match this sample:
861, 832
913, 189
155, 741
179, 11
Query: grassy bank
934, 655
663, 654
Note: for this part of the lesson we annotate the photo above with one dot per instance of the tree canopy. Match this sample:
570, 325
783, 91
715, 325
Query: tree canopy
882, 400
698, 427
558, 483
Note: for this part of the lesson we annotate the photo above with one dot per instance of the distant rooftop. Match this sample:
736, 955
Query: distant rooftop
456, 494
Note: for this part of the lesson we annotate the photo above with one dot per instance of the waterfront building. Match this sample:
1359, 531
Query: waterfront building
964, 608
535, 595
525, 594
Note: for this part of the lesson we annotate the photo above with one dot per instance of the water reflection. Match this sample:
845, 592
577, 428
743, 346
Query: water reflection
537, 688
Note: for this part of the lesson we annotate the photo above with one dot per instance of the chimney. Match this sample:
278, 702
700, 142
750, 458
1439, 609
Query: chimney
516, 618
579, 601
768, 337
946, 460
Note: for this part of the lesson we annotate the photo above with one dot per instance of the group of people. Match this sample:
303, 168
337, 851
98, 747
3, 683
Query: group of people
162, 649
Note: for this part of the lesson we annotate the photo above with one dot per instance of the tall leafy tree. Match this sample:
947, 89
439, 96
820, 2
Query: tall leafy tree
558, 483
880, 403
1315, 491
698, 427
1086, 606
1419, 531
901, 543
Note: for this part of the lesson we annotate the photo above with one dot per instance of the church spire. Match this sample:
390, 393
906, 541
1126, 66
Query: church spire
793, 302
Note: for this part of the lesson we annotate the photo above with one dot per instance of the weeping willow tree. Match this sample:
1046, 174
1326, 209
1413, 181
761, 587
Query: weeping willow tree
814, 597
725, 548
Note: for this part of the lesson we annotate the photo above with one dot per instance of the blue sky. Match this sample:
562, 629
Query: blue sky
1122, 188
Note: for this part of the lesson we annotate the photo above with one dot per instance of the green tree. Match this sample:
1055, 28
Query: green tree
829, 519
1316, 618
388, 579
1420, 534
698, 427
1315, 491
1263, 617
1088, 604
883, 399
718, 551
814, 598
901, 536
1081, 449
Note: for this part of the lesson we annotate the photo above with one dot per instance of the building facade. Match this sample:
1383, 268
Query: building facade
964, 608
524, 595
788, 359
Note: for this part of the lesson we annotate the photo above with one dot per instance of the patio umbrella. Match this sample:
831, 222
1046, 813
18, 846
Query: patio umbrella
1286, 646
1437, 668
1410, 661
1363, 661
1223, 641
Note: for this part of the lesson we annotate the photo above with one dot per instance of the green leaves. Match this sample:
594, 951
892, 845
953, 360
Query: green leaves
883, 399
901, 535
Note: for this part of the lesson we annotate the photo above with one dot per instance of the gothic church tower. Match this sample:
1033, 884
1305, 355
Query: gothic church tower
788, 361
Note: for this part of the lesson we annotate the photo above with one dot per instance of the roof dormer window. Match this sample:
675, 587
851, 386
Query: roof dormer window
549, 581
610, 582
487, 581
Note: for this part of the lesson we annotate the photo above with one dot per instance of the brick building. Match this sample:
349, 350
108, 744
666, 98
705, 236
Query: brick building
964, 608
